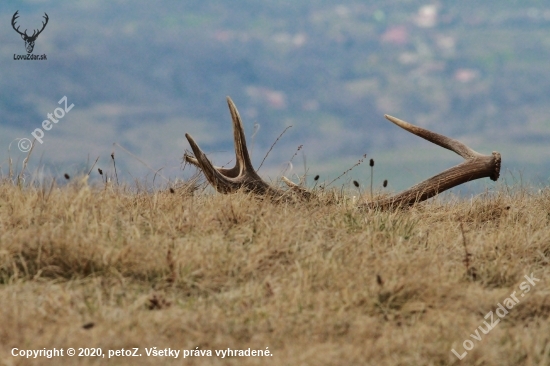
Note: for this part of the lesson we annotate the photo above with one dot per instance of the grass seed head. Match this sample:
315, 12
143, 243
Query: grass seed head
89, 325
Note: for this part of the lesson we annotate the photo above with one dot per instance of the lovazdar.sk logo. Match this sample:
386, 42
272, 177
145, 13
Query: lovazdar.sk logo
29, 40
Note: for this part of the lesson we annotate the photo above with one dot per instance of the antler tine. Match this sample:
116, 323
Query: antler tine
241, 151
243, 162
230, 173
443, 141
191, 159
213, 175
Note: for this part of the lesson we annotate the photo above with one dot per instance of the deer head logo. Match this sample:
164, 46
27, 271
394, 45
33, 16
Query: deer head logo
29, 40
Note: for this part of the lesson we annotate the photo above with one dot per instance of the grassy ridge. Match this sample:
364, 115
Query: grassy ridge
319, 283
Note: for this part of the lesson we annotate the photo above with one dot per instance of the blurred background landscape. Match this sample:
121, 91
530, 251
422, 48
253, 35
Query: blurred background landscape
141, 74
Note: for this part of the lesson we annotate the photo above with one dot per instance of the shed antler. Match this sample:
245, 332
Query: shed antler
243, 175
474, 167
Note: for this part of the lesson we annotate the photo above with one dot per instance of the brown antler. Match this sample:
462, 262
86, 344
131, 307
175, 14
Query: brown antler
242, 175
475, 166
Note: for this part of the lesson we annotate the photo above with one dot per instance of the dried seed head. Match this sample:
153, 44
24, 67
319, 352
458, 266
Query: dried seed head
89, 325
100, 171
172, 190
371, 163
113, 155
316, 178
356, 183
379, 280
158, 303
385, 183
67, 176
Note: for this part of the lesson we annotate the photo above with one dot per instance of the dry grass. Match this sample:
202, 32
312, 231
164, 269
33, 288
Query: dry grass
319, 283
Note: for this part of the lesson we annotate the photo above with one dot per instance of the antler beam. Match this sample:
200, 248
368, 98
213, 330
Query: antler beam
474, 167
243, 176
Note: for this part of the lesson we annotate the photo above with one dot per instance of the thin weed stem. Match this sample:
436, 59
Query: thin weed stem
371, 163
92, 168
271, 148
347, 171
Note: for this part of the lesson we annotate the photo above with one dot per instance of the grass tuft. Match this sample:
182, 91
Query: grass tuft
319, 282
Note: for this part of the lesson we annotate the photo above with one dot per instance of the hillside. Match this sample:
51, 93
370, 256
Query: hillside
318, 283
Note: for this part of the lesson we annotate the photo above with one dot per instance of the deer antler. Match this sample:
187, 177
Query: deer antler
242, 175
474, 167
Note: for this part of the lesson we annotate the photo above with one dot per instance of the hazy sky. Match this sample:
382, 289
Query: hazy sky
141, 75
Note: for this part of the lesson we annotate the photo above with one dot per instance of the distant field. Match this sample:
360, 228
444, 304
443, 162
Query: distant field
143, 74
315, 283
